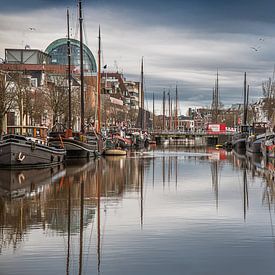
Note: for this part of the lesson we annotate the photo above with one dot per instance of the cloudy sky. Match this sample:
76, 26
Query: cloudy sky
183, 42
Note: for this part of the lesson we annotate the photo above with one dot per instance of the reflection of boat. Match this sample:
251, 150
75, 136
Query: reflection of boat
18, 151
115, 152
253, 143
239, 140
15, 183
268, 146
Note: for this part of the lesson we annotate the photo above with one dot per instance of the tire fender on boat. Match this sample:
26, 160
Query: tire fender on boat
21, 157
32, 145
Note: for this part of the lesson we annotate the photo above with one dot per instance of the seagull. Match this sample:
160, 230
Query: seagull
255, 49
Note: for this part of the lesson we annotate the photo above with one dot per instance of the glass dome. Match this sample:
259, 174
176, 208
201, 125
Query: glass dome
58, 52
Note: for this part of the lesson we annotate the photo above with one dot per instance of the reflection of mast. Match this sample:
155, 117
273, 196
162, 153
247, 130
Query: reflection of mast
163, 171
69, 229
81, 225
270, 216
169, 170
215, 181
176, 171
98, 222
153, 171
141, 193
245, 193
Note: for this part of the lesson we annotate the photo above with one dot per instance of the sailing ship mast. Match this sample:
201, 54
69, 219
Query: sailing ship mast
169, 110
142, 98
99, 82
69, 72
81, 68
163, 111
215, 99
153, 122
245, 103
176, 111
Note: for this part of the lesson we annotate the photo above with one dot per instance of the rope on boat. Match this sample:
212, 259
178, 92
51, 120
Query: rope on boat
61, 141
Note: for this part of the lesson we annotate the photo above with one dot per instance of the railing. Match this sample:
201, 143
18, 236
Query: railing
198, 133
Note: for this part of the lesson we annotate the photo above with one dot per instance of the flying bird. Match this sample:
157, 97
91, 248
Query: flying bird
261, 39
32, 29
255, 49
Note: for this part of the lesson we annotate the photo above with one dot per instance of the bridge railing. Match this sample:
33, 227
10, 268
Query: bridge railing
198, 132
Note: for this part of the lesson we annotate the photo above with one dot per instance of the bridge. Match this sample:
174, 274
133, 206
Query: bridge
205, 137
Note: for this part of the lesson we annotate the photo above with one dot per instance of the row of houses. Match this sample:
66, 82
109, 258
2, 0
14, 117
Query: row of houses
45, 79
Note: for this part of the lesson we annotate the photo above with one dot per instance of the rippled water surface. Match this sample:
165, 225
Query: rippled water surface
157, 212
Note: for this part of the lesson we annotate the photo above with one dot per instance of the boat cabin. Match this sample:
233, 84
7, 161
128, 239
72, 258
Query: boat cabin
39, 132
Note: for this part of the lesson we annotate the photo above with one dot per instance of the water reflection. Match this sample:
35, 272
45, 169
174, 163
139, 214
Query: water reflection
162, 197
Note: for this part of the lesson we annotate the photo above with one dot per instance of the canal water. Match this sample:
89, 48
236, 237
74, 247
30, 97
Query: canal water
164, 211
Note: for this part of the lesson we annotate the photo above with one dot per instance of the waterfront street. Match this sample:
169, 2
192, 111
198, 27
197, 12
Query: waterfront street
162, 211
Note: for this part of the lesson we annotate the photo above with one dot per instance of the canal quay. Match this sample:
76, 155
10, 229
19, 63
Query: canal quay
166, 210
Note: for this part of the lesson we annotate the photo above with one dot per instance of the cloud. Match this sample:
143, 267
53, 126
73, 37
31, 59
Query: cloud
182, 44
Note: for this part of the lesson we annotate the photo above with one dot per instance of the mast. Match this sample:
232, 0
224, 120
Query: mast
99, 82
215, 99
171, 118
142, 97
176, 111
69, 71
163, 111
81, 68
153, 126
244, 102
169, 110
247, 97
217, 94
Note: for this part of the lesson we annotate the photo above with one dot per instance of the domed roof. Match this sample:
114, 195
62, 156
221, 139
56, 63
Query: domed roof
58, 52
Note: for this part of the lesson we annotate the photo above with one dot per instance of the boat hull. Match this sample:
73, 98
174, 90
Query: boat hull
29, 155
75, 148
254, 146
239, 144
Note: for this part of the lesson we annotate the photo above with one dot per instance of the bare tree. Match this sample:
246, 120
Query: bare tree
269, 98
6, 97
56, 96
